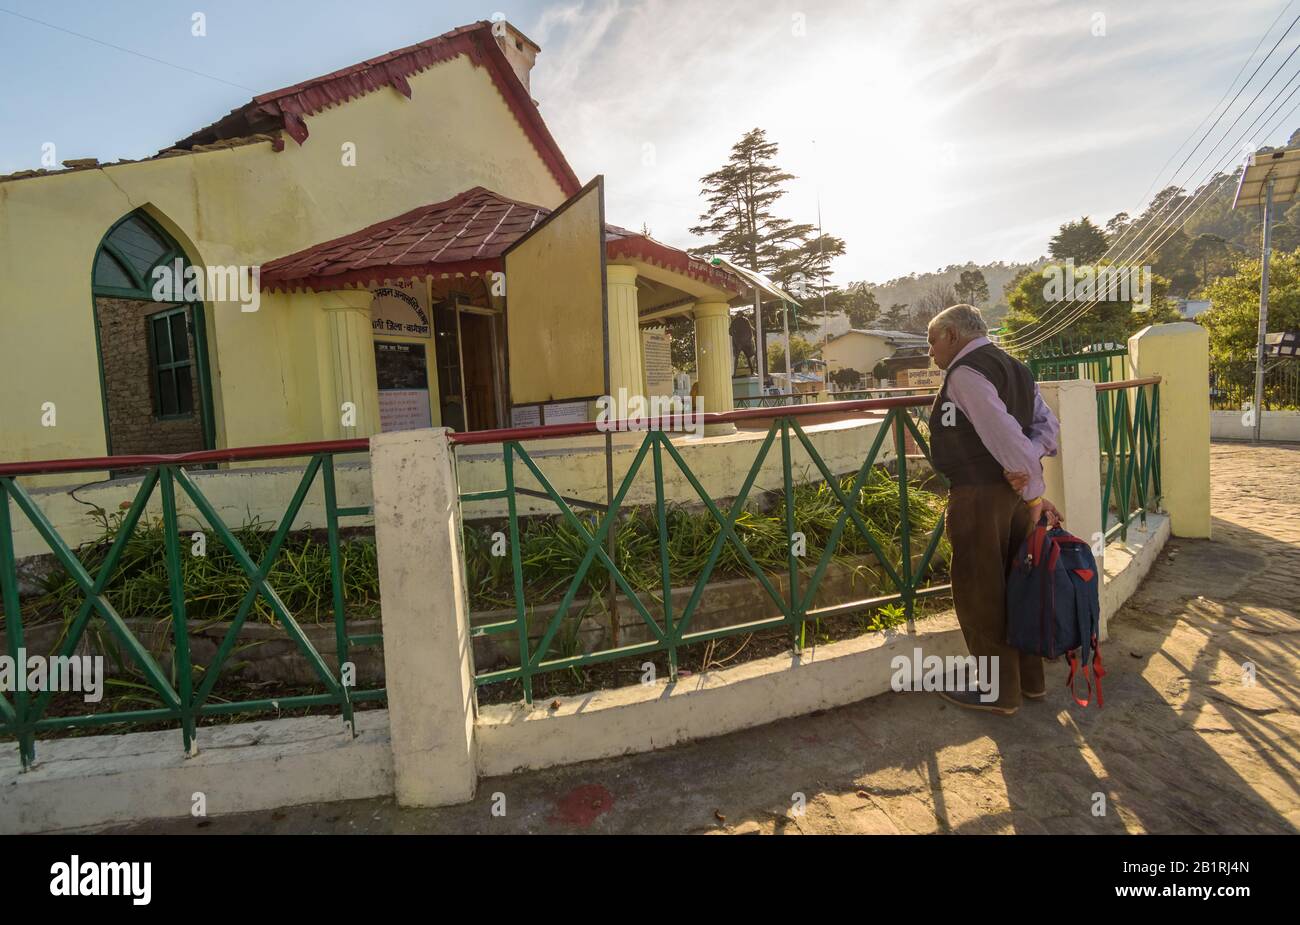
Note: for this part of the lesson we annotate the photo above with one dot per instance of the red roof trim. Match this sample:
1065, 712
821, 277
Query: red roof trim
289, 106
412, 245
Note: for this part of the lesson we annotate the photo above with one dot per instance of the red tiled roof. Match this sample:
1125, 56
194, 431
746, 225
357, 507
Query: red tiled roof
285, 109
466, 234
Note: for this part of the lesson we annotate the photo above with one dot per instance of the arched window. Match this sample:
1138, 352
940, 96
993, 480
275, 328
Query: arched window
128, 256
152, 349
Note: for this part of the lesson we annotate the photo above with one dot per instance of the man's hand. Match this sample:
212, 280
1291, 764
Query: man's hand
1017, 480
1041, 507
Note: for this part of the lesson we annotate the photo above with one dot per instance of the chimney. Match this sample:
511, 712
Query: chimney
519, 49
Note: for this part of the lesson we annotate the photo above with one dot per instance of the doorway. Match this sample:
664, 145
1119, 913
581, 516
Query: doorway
468, 355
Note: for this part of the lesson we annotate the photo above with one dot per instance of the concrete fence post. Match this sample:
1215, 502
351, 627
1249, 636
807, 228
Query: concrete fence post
1180, 354
1073, 475
428, 665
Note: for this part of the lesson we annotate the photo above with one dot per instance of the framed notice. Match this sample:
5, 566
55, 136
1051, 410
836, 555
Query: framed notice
656, 348
401, 372
565, 412
404, 409
525, 415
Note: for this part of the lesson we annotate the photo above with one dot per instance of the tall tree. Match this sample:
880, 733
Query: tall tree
1082, 240
935, 299
740, 224
858, 302
896, 317
972, 287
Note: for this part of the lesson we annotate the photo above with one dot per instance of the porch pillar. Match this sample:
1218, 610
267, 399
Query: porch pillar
626, 369
713, 357
351, 369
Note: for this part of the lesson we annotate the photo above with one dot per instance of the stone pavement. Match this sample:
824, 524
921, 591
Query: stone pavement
1182, 745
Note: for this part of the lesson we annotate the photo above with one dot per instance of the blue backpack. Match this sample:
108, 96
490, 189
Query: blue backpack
1053, 603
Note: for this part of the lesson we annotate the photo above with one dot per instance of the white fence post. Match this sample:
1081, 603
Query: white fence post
428, 666
1073, 475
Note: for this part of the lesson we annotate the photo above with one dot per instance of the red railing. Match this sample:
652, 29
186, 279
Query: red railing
838, 409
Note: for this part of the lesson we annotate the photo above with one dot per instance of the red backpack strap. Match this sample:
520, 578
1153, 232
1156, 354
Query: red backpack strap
1095, 671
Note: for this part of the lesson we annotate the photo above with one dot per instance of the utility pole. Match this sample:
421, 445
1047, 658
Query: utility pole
1263, 313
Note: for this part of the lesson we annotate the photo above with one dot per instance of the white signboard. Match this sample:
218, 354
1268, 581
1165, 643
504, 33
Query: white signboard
403, 409
656, 348
525, 415
924, 378
401, 308
568, 412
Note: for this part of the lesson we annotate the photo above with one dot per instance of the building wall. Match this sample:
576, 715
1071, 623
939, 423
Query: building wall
244, 205
855, 351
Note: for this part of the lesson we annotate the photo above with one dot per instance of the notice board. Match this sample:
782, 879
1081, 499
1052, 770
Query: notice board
555, 303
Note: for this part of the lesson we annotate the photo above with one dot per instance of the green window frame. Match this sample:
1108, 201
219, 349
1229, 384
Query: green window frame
171, 363
132, 248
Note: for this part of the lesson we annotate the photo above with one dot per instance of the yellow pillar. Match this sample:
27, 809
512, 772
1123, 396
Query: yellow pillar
626, 369
354, 389
713, 357
1180, 354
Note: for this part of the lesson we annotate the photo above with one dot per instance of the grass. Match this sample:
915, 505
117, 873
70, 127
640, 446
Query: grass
551, 549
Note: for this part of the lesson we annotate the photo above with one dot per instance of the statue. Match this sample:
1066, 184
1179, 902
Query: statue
742, 344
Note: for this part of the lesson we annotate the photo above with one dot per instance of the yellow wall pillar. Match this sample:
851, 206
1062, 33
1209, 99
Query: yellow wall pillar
351, 372
626, 369
1180, 354
713, 357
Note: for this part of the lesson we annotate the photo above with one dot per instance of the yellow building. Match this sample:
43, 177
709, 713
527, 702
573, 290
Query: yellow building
863, 349
396, 244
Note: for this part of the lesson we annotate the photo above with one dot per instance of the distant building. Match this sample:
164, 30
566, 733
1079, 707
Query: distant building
863, 349
1190, 308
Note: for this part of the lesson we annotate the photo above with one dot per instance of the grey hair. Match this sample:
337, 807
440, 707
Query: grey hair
965, 321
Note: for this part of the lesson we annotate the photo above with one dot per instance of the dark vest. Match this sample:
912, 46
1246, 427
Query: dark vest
956, 449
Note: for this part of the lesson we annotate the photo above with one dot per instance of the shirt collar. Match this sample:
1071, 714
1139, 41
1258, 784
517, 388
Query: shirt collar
973, 345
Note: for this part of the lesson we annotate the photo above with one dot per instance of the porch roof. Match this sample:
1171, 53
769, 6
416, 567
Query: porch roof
465, 235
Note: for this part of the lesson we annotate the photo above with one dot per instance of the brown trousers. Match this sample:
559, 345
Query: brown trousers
986, 524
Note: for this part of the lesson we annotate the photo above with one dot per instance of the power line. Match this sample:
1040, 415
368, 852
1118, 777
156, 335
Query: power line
1181, 216
1139, 229
129, 51
1047, 326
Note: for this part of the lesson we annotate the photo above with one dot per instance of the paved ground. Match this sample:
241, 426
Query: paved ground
1181, 746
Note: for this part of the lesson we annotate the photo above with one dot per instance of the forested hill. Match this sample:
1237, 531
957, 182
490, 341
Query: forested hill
912, 291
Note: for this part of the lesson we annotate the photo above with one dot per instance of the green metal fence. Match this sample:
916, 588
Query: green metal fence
1077, 359
776, 401
1232, 383
670, 628
1128, 428
186, 692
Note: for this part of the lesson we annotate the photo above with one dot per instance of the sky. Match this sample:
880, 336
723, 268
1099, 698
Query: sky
926, 133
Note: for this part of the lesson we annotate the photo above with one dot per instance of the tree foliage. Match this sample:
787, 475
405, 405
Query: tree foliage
740, 223
1035, 307
1082, 240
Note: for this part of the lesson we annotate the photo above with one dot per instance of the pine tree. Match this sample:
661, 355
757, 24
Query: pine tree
740, 225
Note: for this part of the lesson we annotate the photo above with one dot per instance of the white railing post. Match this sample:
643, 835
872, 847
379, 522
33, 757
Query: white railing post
428, 668
1073, 475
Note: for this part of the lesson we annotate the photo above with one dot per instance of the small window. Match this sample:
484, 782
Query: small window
171, 363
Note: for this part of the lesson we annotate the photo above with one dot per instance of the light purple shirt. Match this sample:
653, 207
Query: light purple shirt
1000, 433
